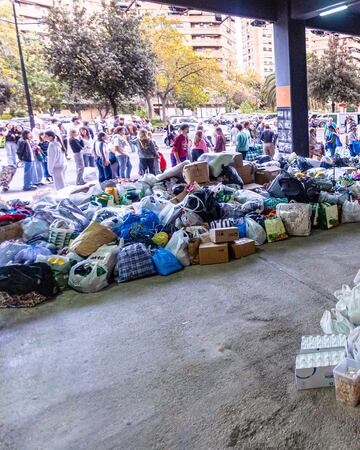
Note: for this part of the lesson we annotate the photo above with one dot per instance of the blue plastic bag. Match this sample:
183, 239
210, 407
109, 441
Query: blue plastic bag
143, 224
165, 262
241, 225
28, 255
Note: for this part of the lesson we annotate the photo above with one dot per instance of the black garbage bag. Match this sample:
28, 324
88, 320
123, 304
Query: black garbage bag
293, 188
21, 279
231, 176
302, 164
204, 204
312, 190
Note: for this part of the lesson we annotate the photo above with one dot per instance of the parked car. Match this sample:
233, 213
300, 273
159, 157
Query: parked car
178, 120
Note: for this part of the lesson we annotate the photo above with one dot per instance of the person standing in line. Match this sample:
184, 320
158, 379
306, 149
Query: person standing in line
18, 133
267, 137
147, 153
36, 131
133, 138
38, 173
331, 140
102, 157
242, 143
55, 127
180, 149
199, 146
44, 145
351, 138
10, 144
170, 133
88, 127
220, 141
56, 159
77, 146
26, 155
233, 132
89, 160
121, 149
206, 139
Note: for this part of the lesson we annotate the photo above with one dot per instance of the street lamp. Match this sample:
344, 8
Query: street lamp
23, 70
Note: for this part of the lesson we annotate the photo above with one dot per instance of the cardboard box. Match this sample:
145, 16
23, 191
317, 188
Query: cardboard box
11, 231
242, 247
197, 171
237, 160
210, 253
220, 235
315, 375
246, 172
264, 176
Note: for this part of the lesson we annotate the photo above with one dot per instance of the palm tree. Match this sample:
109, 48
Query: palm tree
269, 90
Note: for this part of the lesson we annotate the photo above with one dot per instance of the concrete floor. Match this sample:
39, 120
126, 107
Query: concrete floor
203, 359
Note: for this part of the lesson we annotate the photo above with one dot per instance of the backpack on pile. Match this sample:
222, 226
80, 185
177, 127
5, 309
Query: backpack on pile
293, 189
134, 261
21, 279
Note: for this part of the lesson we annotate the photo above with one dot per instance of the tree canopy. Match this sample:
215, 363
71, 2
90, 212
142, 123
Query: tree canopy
334, 77
102, 56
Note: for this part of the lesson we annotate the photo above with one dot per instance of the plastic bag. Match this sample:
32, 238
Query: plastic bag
68, 211
60, 266
328, 216
88, 276
188, 219
90, 209
143, 224
9, 250
178, 246
169, 214
255, 231
350, 212
253, 206
165, 262
275, 230
353, 344
82, 195
93, 237
33, 227
247, 196
339, 325
152, 203
28, 255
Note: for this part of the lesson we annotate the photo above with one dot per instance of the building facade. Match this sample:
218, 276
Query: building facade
257, 44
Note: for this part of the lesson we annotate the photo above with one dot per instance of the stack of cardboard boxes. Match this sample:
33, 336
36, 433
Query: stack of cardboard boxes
225, 244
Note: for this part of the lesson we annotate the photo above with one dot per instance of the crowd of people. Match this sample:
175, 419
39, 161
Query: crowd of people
45, 149
250, 139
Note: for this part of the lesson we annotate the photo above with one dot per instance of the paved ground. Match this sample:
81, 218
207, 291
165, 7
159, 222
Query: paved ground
200, 360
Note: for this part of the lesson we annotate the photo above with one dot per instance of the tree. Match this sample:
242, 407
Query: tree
181, 75
105, 58
269, 91
334, 77
5, 94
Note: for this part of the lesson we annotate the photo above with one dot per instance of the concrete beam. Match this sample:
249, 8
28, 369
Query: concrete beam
257, 9
344, 22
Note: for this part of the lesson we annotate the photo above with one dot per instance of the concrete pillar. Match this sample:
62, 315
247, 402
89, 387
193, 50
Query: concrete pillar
291, 82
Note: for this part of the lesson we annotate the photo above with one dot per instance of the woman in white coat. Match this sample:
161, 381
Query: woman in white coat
56, 159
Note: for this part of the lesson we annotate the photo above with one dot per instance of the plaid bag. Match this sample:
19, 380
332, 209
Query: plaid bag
253, 153
134, 261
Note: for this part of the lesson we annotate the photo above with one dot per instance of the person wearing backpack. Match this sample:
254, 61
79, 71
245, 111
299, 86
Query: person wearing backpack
26, 155
147, 153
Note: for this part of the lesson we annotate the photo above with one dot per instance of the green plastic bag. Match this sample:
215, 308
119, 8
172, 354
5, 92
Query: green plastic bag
328, 216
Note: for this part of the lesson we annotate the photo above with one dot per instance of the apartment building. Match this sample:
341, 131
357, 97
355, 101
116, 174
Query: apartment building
258, 47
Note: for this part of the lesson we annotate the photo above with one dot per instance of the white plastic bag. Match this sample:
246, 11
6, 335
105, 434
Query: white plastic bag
350, 212
188, 219
353, 345
92, 275
178, 246
243, 196
169, 214
152, 203
255, 231
33, 227
339, 325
